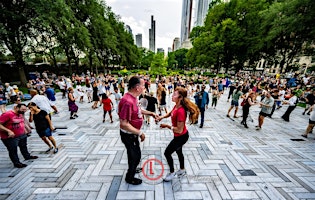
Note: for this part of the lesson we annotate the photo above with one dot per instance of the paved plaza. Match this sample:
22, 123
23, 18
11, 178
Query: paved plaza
223, 160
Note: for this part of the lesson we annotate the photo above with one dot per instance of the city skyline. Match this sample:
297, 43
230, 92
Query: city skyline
137, 14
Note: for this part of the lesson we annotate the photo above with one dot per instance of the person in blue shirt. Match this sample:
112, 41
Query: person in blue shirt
202, 101
220, 87
50, 94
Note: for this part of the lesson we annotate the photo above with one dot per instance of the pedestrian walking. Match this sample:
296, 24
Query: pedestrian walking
235, 98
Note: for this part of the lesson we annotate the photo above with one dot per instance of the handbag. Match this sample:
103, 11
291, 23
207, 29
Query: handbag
243, 102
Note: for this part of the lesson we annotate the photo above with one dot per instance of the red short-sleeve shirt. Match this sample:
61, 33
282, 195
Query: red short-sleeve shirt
12, 121
178, 115
107, 104
129, 109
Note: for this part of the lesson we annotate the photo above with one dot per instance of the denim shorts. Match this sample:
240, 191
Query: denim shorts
45, 133
3, 102
234, 103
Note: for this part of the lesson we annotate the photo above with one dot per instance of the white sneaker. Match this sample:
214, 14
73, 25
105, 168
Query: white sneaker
169, 177
181, 172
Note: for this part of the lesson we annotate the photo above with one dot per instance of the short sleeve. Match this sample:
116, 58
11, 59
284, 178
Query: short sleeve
125, 112
4, 118
181, 115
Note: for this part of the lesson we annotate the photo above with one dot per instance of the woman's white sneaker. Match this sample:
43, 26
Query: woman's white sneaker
181, 172
169, 177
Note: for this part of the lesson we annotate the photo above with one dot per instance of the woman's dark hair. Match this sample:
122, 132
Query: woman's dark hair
133, 82
104, 96
32, 104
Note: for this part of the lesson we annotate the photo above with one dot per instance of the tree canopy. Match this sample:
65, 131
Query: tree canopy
74, 28
243, 31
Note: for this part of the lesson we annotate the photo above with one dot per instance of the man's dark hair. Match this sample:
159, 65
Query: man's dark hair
133, 82
19, 105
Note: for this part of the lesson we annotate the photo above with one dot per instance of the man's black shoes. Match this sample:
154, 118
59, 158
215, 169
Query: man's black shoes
20, 165
32, 158
134, 181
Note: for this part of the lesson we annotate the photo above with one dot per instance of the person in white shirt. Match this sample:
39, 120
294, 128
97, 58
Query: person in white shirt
11, 93
42, 102
281, 97
117, 98
292, 104
311, 123
62, 86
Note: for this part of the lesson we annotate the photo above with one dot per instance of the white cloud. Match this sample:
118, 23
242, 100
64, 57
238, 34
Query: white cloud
137, 14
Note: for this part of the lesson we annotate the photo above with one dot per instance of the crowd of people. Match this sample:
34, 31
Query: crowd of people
190, 96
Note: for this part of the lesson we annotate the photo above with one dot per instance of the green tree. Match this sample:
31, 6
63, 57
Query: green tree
16, 29
171, 61
158, 65
180, 57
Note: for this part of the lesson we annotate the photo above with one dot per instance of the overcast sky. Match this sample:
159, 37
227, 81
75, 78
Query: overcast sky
137, 14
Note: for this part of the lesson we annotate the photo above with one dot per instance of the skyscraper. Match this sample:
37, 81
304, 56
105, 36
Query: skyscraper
186, 20
152, 35
139, 40
202, 8
128, 29
176, 44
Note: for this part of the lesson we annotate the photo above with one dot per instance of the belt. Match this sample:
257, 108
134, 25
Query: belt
124, 131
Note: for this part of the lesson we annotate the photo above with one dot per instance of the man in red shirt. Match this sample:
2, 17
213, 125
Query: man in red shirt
13, 135
131, 119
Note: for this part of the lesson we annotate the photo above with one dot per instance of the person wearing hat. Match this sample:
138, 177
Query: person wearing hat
292, 104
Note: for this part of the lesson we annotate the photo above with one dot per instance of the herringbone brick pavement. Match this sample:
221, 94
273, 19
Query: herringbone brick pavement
223, 160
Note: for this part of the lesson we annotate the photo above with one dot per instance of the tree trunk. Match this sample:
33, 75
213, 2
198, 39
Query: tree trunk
69, 66
20, 64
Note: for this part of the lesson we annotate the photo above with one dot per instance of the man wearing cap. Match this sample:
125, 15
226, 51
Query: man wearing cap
131, 119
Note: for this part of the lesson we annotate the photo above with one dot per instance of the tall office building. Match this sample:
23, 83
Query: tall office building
152, 35
128, 29
186, 20
139, 40
176, 44
202, 8
160, 50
